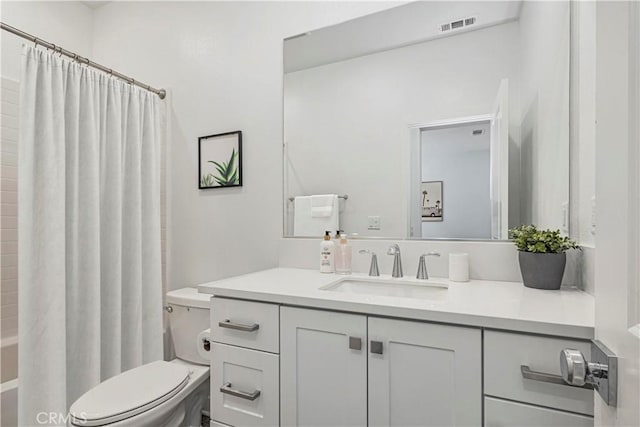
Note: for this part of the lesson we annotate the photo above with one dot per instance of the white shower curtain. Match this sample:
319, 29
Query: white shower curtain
90, 292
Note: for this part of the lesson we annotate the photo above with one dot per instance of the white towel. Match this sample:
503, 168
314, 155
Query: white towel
322, 205
306, 224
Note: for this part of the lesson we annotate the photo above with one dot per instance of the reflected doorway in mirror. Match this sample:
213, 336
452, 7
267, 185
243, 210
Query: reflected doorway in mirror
432, 201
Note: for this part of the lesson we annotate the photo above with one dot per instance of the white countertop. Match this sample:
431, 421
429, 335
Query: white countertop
479, 303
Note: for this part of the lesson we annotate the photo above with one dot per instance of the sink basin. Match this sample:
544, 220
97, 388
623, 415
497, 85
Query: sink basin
390, 288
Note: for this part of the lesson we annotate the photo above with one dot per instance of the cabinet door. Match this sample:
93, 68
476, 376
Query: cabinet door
323, 375
424, 374
244, 386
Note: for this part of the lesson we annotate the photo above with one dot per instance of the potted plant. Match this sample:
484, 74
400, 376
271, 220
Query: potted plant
542, 255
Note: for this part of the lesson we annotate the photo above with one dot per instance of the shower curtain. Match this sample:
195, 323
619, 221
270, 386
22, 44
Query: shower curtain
90, 291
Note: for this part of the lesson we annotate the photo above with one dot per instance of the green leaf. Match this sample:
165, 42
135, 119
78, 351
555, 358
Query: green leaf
219, 167
227, 171
529, 239
207, 180
234, 178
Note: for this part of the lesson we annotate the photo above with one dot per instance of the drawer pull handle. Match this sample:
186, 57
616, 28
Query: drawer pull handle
239, 326
226, 389
547, 378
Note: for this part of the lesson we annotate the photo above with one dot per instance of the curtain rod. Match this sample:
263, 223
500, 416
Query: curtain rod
160, 92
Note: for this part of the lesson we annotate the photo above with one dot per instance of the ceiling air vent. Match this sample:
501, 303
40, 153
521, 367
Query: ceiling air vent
457, 24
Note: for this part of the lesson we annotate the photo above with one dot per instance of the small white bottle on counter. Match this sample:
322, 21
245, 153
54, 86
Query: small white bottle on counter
327, 254
459, 267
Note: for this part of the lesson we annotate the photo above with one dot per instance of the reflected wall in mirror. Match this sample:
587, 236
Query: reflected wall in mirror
473, 94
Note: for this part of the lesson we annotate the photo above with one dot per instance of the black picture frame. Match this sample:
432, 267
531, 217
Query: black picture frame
211, 181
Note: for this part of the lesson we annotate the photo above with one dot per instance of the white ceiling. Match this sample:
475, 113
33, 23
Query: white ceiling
400, 26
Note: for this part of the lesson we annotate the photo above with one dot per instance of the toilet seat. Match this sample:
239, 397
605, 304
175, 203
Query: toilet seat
129, 394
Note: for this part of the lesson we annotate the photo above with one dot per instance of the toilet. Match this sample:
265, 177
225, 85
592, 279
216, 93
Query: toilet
160, 393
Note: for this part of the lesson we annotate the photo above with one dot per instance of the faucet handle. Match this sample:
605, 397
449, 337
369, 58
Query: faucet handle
432, 253
373, 268
422, 265
393, 249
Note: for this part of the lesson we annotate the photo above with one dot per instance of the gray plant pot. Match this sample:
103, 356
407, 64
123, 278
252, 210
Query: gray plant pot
542, 271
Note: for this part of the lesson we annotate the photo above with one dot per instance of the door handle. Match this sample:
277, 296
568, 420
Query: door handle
239, 326
376, 347
601, 373
226, 389
528, 374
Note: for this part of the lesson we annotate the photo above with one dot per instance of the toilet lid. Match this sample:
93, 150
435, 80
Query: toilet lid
130, 393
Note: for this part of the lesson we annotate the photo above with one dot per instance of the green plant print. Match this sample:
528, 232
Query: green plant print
227, 173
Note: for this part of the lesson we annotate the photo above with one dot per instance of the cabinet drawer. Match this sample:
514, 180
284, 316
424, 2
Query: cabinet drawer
245, 324
500, 413
244, 386
505, 353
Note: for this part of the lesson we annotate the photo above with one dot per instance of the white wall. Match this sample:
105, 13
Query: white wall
462, 161
65, 23
222, 63
353, 138
544, 35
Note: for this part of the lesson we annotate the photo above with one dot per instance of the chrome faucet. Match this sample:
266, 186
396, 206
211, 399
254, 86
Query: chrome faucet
422, 265
397, 260
373, 268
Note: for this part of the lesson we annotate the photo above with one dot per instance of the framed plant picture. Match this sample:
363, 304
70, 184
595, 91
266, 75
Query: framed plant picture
220, 160
432, 203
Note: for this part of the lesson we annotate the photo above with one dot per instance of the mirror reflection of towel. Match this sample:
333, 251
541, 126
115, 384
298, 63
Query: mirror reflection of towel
315, 214
322, 205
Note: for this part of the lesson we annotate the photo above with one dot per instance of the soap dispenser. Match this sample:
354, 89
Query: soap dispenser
343, 256
327, 254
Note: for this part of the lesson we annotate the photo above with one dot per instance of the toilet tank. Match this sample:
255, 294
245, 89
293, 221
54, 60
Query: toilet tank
188, 316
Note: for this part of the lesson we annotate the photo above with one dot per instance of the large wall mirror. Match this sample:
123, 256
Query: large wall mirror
430, 120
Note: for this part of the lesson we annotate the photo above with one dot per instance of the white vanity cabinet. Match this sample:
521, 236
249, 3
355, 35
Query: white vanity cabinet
424, 374
404, 372
273, 364
245, 374
323, 377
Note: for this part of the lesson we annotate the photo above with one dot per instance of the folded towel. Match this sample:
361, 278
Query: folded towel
322, 205
326, 217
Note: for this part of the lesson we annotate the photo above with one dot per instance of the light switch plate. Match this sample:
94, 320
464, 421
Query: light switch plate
374, 223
